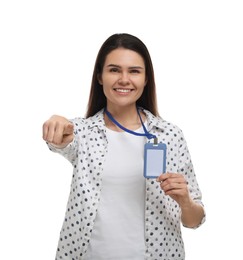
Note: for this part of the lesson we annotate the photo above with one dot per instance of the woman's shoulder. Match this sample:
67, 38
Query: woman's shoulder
170, 126
82, 122
163, 124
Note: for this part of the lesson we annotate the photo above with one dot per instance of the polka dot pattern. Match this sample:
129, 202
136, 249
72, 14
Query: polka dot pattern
162, 214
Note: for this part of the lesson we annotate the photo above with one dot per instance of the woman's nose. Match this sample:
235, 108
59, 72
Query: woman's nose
124, 79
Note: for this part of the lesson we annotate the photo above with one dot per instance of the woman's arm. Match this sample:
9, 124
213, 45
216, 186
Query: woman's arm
175, 186
192, 214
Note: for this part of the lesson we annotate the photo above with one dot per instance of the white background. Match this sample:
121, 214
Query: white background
47, 53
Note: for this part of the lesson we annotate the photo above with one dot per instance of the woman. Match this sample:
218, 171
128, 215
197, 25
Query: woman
113, 212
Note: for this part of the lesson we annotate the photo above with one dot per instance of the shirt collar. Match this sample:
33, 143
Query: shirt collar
153, 121
98, 120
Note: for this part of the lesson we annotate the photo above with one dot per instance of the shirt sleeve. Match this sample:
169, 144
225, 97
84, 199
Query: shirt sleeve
186, 168
68, 152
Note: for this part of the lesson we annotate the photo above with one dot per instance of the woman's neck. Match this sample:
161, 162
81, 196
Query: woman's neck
126, 116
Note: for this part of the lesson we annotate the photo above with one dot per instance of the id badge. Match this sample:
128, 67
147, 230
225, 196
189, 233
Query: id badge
154, 160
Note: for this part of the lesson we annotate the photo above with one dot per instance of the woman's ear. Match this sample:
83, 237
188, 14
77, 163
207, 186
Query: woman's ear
99, 79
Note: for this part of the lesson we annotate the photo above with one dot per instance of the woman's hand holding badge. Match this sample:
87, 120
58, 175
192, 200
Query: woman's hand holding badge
175, 185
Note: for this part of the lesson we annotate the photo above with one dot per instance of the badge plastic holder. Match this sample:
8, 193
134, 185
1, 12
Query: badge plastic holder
154, 159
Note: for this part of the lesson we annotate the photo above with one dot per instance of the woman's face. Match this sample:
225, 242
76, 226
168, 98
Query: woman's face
123, 78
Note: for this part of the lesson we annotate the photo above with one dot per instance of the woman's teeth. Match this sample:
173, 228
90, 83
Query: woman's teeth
122, 90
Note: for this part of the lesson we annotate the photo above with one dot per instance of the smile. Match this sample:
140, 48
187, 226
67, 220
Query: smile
123, 90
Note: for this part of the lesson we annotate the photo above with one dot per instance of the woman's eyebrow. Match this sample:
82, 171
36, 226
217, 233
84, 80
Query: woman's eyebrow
113, 65
131, 67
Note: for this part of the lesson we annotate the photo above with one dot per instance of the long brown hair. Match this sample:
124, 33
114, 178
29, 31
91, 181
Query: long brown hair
97, 99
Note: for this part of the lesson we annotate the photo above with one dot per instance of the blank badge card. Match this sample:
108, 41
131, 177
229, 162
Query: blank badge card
154, 160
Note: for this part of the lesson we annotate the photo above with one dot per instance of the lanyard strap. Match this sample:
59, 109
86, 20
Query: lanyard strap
146, 133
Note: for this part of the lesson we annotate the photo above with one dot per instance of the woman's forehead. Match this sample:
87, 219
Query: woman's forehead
124, 57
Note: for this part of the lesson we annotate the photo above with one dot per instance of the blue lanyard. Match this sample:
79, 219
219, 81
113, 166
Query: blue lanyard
146, 133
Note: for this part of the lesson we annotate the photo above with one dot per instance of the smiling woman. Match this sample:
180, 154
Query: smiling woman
129, 44
114, 212
123, 80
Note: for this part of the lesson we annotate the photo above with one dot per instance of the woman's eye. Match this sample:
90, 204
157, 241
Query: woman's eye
113, 70
135, 71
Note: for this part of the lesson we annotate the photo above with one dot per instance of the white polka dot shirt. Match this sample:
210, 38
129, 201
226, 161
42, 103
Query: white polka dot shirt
87, 153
